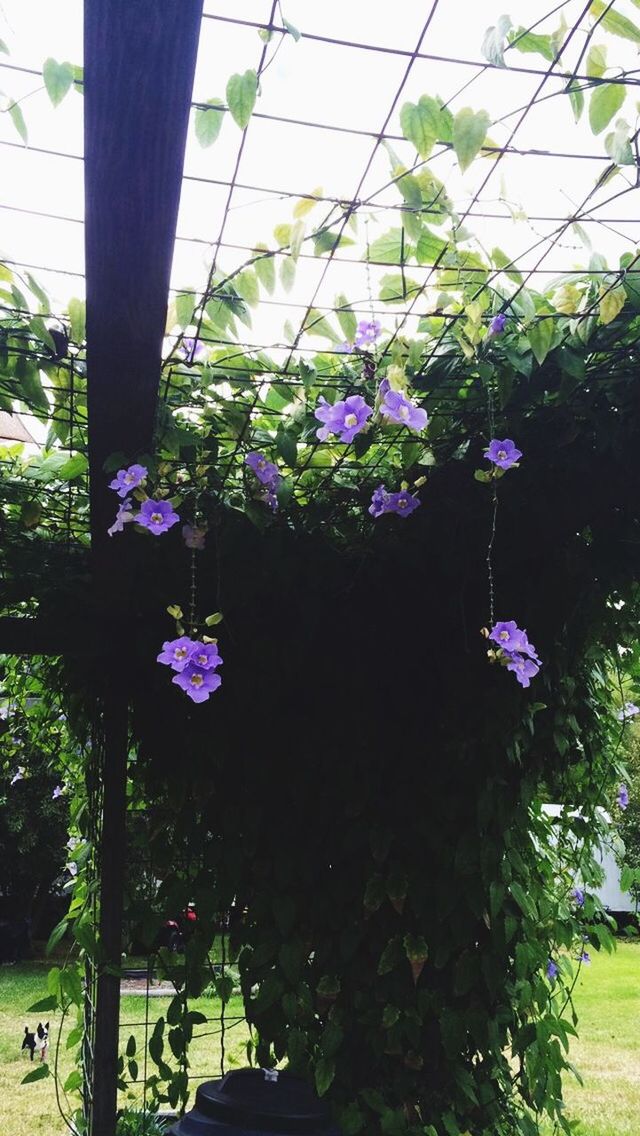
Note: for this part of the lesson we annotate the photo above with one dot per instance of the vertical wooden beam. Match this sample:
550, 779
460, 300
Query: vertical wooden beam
138, 78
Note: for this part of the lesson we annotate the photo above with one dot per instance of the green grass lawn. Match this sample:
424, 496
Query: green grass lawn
30, 1110
607, 1052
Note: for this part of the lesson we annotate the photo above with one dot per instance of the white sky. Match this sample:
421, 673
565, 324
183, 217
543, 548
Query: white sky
321, 83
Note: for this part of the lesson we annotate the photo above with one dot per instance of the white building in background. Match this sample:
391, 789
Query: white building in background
610, 894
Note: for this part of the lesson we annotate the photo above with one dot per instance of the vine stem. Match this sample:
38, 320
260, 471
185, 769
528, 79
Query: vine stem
494, 510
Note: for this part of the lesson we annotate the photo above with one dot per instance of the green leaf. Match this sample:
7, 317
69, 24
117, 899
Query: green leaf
429, 248
131, 1046
388, 248
576, 98
493, 43
346, 317
185, 303
214, 619
291, 29
326, 241
246, 285
43, 1005
605, 101
613, 22
241, 97
596, 61
76, 310
533, 44
38, 1074
58, 78
39, 293
306, 204
324, 1073
287, 273
74, 467
73, 1081
540, 335
265, 269
469, 132
17, 118
618, 144
506, 265
318, 325
286, 445
395, 289
209, 122
3, 47
420, 123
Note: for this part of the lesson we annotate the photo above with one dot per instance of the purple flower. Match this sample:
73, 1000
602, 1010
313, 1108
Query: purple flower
270, 498
552, 970
504, 453
346, 417
629, 710
205, 656
578, 896
402, 503
157, 516
18, 775
344, 348
402, 410
57, 792
497, 325
123, 516
197, 683
265, 471
127, 479
622, 799
177, 653
508, 635
379, 501
585, 957
367, 333
524, 669
191, 348
193, 536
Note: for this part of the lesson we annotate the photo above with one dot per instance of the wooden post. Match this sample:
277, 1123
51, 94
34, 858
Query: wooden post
138, 78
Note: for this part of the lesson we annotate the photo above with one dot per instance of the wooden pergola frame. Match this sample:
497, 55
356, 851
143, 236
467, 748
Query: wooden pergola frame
140, 58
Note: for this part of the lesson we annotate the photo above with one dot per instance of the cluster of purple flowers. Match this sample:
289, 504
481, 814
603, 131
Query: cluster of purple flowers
403, 503
195, 664
622, 800
520, 655
349, 416
156, 516
395, 407
629, 710
268, 476
504, 454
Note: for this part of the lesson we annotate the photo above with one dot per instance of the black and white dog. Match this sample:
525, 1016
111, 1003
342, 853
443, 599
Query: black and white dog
38, 1040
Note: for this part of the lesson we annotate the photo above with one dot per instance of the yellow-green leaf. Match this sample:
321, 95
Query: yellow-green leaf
208, 122
612, 301
241, 96
58, 78
469, 132
605, 101
306, 204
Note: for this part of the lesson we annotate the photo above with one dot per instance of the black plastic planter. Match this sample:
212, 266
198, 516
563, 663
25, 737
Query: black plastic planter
249, 1102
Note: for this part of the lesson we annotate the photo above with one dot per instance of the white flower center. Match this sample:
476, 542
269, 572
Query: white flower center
350, 420
196, 680
157, 518
180, 652
404, 411
502, 455
128, 477
402, 502
202, 659
504, 635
